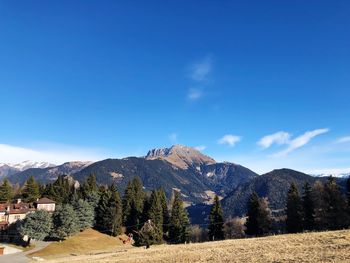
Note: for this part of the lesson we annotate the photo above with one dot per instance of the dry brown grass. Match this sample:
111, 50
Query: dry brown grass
88, 241
309, 247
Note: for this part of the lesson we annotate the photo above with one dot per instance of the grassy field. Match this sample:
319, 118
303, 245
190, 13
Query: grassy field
333, 246
88, 241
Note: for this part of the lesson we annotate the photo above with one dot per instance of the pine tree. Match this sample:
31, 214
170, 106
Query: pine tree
165, 211
102, 208
216, 227
89, 186
252, 227
319, 205
91, 183
336, 214
179, 222
93, 199
148, 234
61, 190
264, 218
6, 191
258, 216
49, 192
133, 203
109, 212
65, 221
155, 214
30, 191
294, 211
36, 225
85, 214
308, 208
115, 212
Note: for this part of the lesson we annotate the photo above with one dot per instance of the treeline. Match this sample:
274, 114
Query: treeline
319, 207
146, 216
152, 219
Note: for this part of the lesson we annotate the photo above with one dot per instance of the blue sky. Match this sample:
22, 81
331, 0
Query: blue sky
260, 83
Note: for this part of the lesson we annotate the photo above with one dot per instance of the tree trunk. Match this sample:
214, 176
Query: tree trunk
28, 242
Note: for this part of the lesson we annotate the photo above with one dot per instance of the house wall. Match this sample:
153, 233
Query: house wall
12, 218
3, 216
47, 207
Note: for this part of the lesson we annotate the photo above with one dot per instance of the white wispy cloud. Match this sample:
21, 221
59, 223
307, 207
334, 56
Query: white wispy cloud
229, 139
200, 147
201, 69
279, 138
344, 139
199, 72
56, 154
194, 94
300, 141
173, 137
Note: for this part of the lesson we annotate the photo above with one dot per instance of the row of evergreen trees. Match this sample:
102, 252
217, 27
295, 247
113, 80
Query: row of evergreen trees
29, 192
102, 207
148, 218
320, 207
68, 219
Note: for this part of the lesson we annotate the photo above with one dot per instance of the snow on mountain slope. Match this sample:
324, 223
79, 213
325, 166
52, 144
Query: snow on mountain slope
7, 169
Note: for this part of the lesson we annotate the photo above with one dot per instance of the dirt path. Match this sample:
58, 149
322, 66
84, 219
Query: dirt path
21, 257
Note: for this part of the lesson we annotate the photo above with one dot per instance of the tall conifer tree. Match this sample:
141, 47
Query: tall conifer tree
101, 220
319, 205
258, 216
308, 208
155, 214
65, 221
165, 211
252, 227
6, 191
335, 205
133, 203
109, 212
85, 214
30, 191
115, 212
179, 222
294, 222
216, 227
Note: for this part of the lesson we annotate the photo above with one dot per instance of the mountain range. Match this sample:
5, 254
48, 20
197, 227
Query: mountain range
7, 169
198, 178
48, 174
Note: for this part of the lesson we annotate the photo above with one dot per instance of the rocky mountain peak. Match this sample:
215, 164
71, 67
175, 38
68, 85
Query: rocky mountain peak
180, 156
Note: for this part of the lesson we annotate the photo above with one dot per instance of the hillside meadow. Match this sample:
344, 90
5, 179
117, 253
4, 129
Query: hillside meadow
332, 246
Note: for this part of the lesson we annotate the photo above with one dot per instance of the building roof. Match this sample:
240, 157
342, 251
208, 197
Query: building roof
21, 208
45, 200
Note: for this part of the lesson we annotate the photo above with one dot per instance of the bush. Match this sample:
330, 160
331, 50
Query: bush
234, 228
197, 234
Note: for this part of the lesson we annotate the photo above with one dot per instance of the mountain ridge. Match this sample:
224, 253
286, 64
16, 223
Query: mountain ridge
180, 156
48, 174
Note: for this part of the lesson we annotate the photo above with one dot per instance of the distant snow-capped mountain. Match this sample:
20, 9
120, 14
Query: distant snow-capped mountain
338, 175
30, 164
7, 169
48, 174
